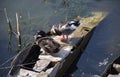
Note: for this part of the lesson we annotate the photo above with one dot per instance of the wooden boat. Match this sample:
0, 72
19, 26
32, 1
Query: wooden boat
30, 63
113, 70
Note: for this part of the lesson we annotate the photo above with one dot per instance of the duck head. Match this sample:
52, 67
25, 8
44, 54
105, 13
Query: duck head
39, 34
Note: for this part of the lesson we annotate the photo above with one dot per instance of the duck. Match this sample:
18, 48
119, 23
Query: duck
71, 25
47, 44
64, 28
39, 34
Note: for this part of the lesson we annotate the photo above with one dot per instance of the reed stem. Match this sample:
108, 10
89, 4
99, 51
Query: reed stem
9, 28
8, 21
18, 32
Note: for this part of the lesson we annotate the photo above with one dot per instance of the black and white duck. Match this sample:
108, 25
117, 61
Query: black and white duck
64, 28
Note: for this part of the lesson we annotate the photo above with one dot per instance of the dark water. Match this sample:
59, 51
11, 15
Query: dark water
41, 14
105, 43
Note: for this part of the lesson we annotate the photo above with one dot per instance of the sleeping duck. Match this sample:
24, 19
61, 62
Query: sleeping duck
47, 44
72, 25
64, 28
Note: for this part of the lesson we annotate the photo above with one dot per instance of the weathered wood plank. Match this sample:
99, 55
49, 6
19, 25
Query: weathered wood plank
41, 65
57, 56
